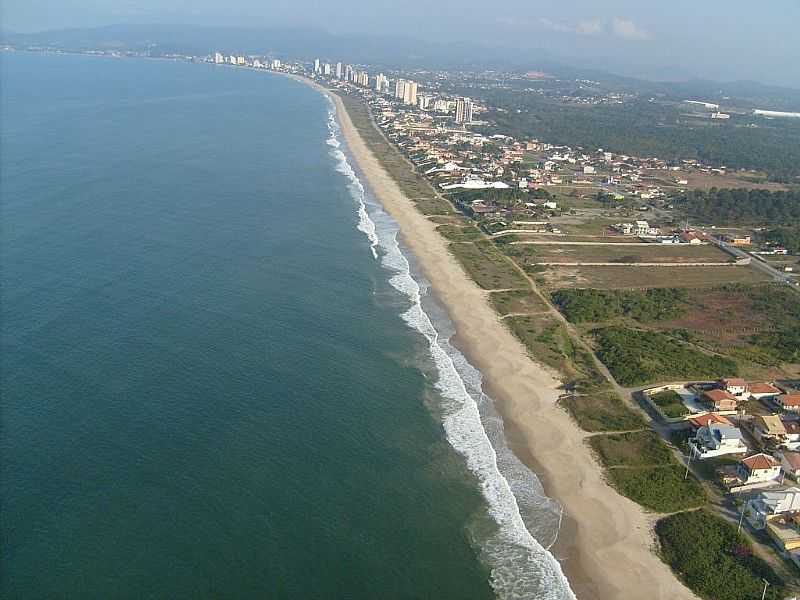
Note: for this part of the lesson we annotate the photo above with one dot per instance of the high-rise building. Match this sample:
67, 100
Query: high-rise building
386, 88
218, 58
316, 65
326, 69
425, 102
338, 70
410, 93
276, 64
232, 60
464, 110
400, 89
379, 82
348, 73
240, 60
362, 78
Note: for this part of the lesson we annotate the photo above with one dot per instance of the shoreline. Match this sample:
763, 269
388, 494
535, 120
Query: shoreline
605, 542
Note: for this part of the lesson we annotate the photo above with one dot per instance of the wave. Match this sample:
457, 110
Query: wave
520, 564
365, 224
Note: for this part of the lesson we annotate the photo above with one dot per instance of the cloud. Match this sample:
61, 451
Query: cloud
627, 29
588, 27
620, 27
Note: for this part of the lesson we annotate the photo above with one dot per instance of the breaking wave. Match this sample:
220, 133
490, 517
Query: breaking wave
525, 520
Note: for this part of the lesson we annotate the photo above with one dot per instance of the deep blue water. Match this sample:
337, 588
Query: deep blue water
207, 387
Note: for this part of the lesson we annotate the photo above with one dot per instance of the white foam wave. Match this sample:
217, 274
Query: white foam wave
521, 567
365, 224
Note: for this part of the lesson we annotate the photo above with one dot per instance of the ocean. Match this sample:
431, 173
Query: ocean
222, 374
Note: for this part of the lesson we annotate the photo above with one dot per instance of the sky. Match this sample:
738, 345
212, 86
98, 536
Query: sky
722, 40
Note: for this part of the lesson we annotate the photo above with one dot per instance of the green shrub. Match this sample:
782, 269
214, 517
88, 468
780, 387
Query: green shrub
661, 489
635, 357
715, 562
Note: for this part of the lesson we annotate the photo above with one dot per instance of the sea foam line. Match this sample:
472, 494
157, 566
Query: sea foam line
520, 566
365, 224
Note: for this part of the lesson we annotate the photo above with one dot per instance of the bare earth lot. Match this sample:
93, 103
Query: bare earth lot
644, 277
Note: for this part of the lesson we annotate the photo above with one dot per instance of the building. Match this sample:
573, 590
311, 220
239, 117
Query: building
276, 64
463, 110
317, 68
769, 428
410, 93
763, 390
362, 78
790, 463
326, 70
380, 82
766, 505
641, 228
707, 419
218, 58
788, 402
348, 73
240, 60
733, 385
339, 70
720, 400
759, 468
717, 439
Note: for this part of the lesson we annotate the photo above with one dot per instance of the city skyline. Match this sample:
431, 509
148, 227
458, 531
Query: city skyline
721, 41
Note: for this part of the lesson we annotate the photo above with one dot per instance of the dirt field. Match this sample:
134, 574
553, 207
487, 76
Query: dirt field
708, 180
643, 277
647, 253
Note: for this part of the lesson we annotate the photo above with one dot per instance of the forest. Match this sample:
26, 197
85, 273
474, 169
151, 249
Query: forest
740, 206
642, 128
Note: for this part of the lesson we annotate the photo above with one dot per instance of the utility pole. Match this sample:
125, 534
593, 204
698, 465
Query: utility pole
689, 462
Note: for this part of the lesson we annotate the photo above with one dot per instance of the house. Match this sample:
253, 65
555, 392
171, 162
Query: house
792, 438
690, 237
788, 402
641, 228
758, 468
766, 505
769, 428
763, 390
733, 385
790, 463
720, 399
717, 439
707, 419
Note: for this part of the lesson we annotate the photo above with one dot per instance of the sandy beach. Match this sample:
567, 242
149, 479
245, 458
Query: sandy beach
606, 542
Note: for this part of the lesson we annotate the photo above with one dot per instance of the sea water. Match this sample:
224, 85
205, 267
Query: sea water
222, 374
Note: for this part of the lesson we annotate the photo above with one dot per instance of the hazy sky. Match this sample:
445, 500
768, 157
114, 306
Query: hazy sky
715, 39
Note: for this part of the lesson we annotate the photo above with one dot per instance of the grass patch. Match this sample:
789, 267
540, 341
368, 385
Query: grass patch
549, 343
517, 301
602, 411
660, 489
593, 306
714, 561
635, 357
636, 449
487, 266
670, 403
456, 233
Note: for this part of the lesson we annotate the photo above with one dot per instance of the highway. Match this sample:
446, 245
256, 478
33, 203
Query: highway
757, 264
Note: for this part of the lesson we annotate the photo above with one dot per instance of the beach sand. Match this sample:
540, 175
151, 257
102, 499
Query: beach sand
606, 542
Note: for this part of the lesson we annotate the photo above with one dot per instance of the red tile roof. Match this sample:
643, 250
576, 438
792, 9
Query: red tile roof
790, 399
760, 461
793, 458
705, 420
717, 396
763, 388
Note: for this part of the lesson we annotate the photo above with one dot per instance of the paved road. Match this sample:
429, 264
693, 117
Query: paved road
757, 264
